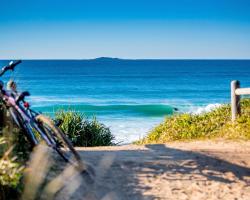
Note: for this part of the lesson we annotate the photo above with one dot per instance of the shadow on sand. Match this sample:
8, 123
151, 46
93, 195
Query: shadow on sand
119, 172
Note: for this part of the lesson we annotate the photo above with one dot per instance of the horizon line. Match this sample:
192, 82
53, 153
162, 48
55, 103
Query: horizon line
117, 58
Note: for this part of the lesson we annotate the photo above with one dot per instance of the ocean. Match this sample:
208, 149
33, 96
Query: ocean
129, 96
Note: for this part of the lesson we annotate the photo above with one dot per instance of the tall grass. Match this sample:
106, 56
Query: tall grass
84, 132
11, 170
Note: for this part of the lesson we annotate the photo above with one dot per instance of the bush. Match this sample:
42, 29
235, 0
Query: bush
11, 171
241, 128
14, 152
216, 123
84, 132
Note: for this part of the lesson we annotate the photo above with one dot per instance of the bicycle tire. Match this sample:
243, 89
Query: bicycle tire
56, 134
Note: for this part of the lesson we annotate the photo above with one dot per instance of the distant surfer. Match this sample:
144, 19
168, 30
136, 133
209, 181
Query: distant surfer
175, 109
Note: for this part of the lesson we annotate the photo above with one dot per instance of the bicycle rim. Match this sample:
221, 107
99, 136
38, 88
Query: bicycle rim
62, 145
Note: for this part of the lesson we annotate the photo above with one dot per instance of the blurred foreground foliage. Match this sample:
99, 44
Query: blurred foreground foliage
10, 173
14, 152
214, 124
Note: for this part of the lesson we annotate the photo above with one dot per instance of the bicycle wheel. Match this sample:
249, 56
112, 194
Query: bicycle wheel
62, 144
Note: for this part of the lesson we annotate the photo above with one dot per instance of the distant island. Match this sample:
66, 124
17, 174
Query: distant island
106, 59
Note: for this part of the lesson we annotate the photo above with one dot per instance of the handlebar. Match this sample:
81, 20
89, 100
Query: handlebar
10, 66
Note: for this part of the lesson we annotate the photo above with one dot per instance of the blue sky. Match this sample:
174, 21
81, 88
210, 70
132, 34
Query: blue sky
127, 29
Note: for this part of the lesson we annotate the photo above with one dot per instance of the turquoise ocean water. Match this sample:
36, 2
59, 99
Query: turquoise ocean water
129, 96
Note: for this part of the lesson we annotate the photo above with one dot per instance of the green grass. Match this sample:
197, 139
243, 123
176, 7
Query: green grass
214, 124
84, 132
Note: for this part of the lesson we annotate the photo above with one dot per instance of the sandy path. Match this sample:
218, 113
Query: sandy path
194, 170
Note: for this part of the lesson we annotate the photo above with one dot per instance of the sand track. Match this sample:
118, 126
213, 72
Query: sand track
181, 170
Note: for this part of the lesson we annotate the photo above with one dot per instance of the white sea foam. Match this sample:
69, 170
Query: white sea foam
132, 129
204, 109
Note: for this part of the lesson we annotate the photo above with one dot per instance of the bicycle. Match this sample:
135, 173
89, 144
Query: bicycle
37, 126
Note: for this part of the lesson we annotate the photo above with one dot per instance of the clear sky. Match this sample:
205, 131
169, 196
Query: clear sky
69, 29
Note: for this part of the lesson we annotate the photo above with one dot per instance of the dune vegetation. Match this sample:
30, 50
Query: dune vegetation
83, 131
214, 124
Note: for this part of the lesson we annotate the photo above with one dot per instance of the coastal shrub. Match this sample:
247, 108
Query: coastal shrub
82, 131
14, 152
241, 128
216, 123
11, 172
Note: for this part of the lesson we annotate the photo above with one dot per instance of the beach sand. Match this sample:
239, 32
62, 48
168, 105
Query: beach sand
179, 170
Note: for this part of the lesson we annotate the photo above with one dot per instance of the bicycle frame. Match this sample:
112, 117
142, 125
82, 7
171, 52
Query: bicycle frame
28, 117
